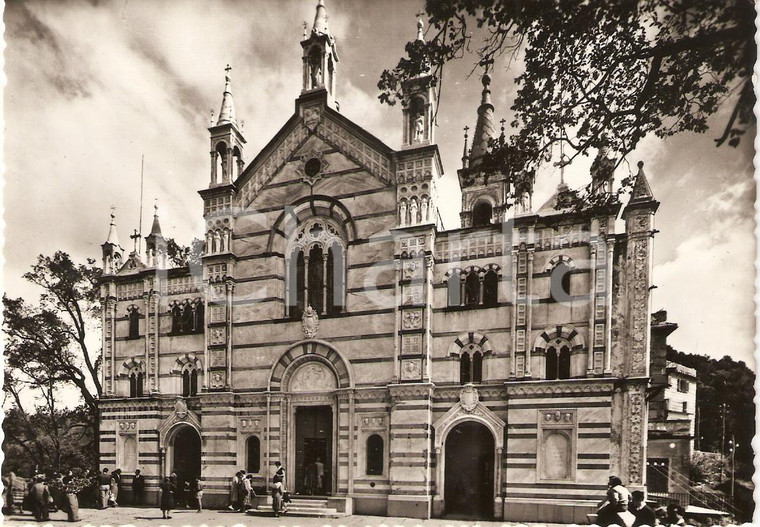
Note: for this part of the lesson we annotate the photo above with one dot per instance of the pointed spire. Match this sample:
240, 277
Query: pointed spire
320, 20
156, 229
420, 26
465, 154
227, 113
485, 129
113, 237
641, 188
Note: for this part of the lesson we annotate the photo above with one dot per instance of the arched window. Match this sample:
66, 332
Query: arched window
198, 318
176, 319
481, 214
134, 324
253, 455
490, 289
374, 455
316, 269
136, 383
560, 283
464, 368
551, 363
477, 367
189, 381
563, 369
454, 290
472, 289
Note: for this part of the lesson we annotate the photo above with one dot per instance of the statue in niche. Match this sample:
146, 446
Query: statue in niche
413, 212
419, 128
402, 213
424, 210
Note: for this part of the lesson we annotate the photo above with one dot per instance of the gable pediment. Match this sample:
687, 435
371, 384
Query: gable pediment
331, 128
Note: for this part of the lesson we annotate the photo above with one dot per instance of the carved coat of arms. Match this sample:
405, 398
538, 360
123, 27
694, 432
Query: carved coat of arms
469, 398
310, 322
180, 408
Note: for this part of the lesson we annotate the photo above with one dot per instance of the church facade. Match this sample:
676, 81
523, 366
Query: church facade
498, 370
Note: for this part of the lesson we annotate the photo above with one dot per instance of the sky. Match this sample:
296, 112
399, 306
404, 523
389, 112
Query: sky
94, 86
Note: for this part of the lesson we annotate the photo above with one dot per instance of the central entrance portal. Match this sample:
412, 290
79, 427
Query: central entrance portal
468, 488
186, 460
314, 430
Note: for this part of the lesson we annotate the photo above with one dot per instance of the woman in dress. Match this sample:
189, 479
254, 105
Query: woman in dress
167, 497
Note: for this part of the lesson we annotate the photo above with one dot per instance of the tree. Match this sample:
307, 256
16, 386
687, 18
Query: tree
46, 349
596, 73
182, 256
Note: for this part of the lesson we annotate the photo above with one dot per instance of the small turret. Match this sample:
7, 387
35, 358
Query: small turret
155, 244
419, 105
320, 57
226, 140
113, 253
485, 129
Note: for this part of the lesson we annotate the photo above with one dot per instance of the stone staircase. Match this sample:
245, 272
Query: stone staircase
313, 507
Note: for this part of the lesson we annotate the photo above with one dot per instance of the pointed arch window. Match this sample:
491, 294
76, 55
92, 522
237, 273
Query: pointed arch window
454, 290
560, 283
316, 269
136, 382
464, 368
558, 361
189, 381
134, 323
472, 289
481, 214
490, 289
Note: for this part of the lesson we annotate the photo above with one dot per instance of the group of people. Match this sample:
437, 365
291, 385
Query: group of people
176, 493
241, 492
629, 509
39, 494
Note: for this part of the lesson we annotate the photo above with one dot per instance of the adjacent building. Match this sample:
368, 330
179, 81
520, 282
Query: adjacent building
499, 370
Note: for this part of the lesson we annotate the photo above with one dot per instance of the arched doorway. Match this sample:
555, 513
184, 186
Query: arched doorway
186, 455
469, 476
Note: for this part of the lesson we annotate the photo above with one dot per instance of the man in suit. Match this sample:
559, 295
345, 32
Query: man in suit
138, 488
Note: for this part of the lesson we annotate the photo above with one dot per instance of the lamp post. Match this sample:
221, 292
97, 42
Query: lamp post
733, 446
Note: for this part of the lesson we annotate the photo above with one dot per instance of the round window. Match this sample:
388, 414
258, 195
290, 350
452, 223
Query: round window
312, 167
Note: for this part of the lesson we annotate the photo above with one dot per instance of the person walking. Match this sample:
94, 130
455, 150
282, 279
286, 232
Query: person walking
246, 492
167, 497
40, 499
234, 491
138, 488
104, 488
197, 489
114, 487
616, 511
643, 512
278, 488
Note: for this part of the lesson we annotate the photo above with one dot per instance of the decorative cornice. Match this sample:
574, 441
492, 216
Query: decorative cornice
564, 387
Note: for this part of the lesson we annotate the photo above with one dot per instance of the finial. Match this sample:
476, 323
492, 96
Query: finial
155, 207
486, 80
640, 164
502, 125
305, 30
113, 214
211, 117
465, 155
320, 20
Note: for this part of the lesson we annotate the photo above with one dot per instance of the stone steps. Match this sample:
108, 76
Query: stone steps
302, 507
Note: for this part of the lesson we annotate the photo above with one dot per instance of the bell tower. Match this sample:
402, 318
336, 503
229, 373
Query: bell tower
113, 254
419, 104
320, 57
226, 140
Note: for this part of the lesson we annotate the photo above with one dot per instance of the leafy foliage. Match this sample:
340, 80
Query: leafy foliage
596, 72
183, 256
46, 350
720, 382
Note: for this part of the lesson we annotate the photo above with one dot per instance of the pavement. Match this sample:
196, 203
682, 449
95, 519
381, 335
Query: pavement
136, 516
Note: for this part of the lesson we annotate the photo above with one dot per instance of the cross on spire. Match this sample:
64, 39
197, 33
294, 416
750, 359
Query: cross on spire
136, 236
228, 69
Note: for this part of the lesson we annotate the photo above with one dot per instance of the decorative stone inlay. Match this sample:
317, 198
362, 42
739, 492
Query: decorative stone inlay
218, 335
313, 377
217, 379
640, 321
127, 427
412, 319
216, 358
249, 424
312, 167
412, 294
374, 421
558, 416
412, 246
410, 369
411, 344
310, 322
517, 389
218, 314
412, 269
468, 397
634, 441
